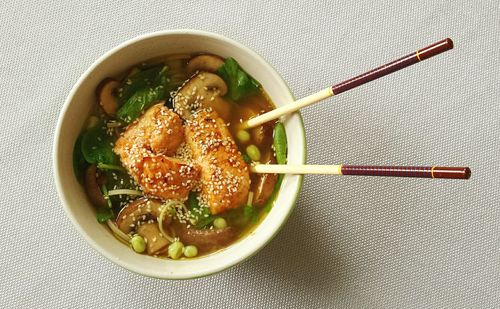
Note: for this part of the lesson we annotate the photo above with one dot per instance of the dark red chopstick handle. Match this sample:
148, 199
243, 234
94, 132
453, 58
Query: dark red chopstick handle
399, 64
407, 171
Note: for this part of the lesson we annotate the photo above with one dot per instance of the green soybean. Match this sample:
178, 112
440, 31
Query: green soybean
220, 223
253, 152
243, 136
138, 243
190, 251
175, 250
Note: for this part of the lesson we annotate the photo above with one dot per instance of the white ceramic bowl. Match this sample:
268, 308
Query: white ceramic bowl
77, 107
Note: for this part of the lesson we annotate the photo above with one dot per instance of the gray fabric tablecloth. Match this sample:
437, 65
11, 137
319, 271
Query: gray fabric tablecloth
351, 242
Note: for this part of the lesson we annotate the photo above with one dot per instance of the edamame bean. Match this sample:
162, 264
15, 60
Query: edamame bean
253, 152
175, 250
190, 251
220, 223
138, 243
243, 136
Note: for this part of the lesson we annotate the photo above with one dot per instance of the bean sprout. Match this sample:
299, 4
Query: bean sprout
167, 207
117, 231
124, 192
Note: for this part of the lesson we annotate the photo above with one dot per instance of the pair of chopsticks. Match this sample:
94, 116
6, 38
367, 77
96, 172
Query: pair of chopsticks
368, 170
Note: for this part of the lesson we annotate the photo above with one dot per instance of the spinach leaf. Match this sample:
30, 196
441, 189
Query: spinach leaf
110, 167
104, 214
238, 81
202, 215
104, 191
146, 91
137, 81
97, 146
79, 163
139, 101
246, 158
117, 180
250, 213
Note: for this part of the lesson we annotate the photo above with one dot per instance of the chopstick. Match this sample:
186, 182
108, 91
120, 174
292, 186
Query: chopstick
419, 55
366, 170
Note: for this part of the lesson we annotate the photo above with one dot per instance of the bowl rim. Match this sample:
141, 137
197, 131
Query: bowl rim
56, 144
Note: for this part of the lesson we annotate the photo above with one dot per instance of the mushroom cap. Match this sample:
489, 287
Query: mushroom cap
264, 185
107, 100
92, 188
136, 212
197, 92
140, 216
155, 242
206, 240
207, 63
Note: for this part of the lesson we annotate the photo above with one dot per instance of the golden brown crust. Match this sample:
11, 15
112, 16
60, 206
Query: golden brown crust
159, 130
225, 179
168, 178
144, 150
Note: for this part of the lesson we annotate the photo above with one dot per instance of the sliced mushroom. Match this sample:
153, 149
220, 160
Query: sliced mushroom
140, 216
264, 189
262, 135
92, 187
207, 63
203, 90
106, 96
264, 185
206, 239
136, 212
155, 242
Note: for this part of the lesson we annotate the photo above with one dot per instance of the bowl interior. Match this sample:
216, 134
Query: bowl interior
77, 108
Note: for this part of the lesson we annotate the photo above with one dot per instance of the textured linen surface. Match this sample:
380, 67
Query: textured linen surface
352, 241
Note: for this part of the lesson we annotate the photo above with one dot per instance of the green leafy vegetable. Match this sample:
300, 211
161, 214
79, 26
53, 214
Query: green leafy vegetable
246, 158
117, 180
238, 81
250, 213
192, 201
97, 146
139, 101
202, 215
104, 214
110, 167
79, 163
146, 91
104, 191
138, 80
